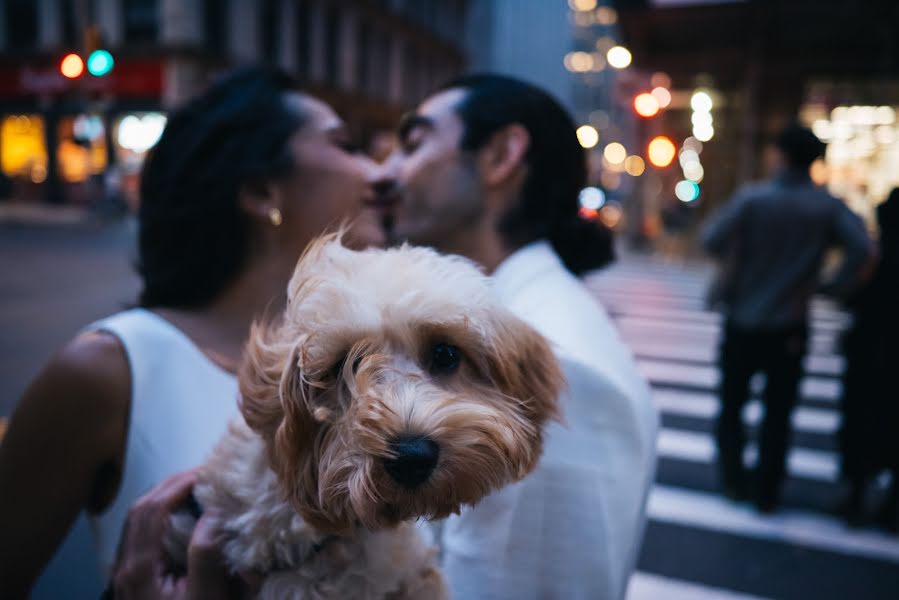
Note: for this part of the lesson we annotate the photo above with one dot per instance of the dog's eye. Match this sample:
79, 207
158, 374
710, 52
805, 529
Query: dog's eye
445, 358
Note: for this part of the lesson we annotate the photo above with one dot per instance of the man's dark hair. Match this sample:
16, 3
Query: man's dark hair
800, 146
557, 167
193, 237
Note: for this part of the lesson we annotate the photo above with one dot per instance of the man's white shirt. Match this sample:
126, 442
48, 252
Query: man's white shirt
572, 528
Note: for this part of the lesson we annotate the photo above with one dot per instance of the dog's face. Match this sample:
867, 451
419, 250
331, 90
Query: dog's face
395, 387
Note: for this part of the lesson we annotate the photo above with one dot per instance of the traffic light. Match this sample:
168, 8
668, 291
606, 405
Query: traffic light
71, 66
99, 60
99, 63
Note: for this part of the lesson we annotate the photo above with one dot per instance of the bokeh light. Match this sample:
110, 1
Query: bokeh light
619, 57
615, 153
662, 96
701, 102
660, 79
686, 191
578, 62
691, 143
582, 5
634, 166
661, 151
646, 105
703, 133
71, 66
701, 119
592, 198
694, 171
606, 15
587, 136
610, 214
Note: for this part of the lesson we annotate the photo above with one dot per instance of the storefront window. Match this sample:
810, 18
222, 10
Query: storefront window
134, 134
23, 150
82, 148
862, 160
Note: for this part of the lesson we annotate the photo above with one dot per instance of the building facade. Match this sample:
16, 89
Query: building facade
67, 140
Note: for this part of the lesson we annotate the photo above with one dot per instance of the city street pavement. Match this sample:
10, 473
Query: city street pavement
697, 544
57, 277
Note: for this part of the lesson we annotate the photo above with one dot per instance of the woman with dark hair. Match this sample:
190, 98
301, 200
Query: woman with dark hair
869, 436
242, 179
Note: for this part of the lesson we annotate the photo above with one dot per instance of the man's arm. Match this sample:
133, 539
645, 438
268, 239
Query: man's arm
718, 231
849, 232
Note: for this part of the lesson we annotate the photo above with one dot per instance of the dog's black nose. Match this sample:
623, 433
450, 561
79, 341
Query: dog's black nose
415, 460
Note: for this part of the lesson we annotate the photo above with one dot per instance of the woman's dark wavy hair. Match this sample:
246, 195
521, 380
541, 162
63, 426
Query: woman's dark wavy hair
557, 167
193, 237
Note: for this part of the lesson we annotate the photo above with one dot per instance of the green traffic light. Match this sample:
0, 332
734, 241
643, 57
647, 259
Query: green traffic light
99, 63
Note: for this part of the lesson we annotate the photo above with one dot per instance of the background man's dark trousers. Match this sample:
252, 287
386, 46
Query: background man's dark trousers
778, 354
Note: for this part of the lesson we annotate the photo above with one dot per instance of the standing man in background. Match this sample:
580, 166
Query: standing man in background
773, 237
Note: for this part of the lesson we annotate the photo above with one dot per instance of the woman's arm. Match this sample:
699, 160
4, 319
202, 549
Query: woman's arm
62, 454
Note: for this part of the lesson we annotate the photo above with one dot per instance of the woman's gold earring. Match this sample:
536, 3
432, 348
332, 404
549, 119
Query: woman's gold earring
274, 215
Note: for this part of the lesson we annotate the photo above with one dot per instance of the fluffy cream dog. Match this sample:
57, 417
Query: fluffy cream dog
394, 387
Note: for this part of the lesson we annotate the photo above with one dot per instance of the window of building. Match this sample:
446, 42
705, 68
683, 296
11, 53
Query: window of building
363, 57
215, 23
303, 32
332, 44
70, 37
21, 24
269, 30
23, 148
141, 20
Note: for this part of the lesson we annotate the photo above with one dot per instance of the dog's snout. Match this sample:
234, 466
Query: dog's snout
415, 460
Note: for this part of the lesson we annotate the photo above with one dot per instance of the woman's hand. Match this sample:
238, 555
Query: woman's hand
141, 571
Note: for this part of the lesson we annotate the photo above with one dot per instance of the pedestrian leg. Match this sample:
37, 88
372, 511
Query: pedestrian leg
736, 370
783, 369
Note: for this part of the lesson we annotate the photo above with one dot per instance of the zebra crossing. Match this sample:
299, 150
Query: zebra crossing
697, 543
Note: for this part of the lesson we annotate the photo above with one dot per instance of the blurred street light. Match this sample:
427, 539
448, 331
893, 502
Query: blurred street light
592, 198
615, 153
701, 102
587, 136
71, 66
646, 105
661, 151
582, 5
686, 191
619, 57
634, 166
662, 96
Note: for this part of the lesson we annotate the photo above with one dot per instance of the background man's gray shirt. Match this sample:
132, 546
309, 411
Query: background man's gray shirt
772, 237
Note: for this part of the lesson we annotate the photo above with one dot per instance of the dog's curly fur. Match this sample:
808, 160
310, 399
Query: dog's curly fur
349, 368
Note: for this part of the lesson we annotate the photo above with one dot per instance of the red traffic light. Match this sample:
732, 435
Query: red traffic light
71, 66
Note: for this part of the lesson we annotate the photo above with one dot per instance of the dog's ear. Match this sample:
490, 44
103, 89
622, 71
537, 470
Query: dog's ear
273, 391
523, 366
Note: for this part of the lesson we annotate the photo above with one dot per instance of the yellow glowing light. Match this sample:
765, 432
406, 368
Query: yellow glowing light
646, 105
578, 62
23, 149
610, 215
818, 172
634, 166
619, 57
615, 153
582, 5
606, 15
701, 102
587, 136
71, 66
599, 62
661, 151
662, 96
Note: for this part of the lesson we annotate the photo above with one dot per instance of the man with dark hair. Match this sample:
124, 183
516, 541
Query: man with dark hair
773, 237
490, 168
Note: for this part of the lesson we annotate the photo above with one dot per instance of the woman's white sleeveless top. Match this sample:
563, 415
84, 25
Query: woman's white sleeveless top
181, 403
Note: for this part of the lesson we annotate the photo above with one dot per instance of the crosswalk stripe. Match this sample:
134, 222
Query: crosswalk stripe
700, 448
708, 511
705, 406
654, 349
664, 372
646, 586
